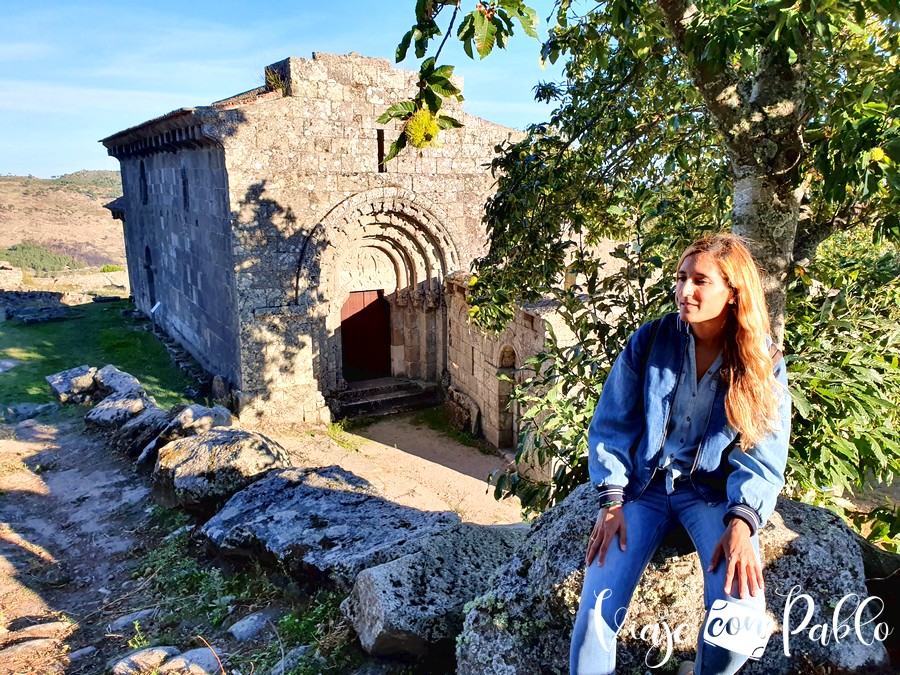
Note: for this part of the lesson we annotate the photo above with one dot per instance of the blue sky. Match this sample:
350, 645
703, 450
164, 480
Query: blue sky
75, 71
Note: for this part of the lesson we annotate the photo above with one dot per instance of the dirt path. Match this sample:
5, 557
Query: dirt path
69, 512
73, 527
412, 465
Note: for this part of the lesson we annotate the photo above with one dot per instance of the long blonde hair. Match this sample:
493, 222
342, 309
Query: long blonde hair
751, 403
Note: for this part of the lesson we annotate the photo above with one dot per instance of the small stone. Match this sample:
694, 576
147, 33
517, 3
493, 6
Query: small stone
219, 390
23, 411
143, 661
81, 653
52, 629
202, 661
290, 660
127, 622
21, 649
251, 625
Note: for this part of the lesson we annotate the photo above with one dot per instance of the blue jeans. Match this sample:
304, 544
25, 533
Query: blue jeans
647, 520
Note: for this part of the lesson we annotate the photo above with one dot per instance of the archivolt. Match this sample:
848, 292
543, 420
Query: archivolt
393, 220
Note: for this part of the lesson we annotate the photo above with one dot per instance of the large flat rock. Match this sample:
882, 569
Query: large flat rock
523, 624
320, 523
72, 384
116, 410
183, 421
414, 604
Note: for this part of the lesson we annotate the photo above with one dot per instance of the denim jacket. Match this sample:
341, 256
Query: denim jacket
628, 430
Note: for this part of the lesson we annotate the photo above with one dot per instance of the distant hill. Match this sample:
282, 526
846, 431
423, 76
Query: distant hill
65, 214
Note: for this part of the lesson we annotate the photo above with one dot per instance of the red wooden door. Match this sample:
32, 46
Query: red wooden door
366, 336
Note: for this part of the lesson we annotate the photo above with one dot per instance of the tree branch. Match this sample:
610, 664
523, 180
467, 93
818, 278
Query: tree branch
719, 87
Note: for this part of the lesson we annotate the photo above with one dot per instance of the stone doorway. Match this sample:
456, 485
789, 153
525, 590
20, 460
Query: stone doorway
366, 336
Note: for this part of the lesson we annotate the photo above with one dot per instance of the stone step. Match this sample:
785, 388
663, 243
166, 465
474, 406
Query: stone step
391, 402
363, 390
360, 390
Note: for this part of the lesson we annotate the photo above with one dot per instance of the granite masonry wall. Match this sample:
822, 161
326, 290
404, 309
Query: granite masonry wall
477, 359
257, 216
178, 246
315, 215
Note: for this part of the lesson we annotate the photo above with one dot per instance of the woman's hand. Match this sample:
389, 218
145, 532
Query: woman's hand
744, 570
609, 522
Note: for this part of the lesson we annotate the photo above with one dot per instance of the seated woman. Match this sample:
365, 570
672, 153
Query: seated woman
691, 428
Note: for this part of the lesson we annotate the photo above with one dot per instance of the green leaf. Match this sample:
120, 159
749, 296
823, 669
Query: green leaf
447, 122
403, 47
485, 34
444, 71
432, 100
529, 19
396, 147
426, 70
398, 111
443, 86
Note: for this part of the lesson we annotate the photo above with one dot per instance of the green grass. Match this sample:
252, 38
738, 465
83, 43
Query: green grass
191, 592
96, 334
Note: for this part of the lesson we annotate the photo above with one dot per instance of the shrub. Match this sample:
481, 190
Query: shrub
112, 268
34, 256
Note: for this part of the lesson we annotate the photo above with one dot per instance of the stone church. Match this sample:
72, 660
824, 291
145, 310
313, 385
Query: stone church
267, 235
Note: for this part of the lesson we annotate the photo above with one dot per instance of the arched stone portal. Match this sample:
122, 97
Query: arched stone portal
385, 242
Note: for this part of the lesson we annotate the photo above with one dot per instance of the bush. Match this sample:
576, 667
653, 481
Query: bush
843, 337
34, 256
561, 384
112, 268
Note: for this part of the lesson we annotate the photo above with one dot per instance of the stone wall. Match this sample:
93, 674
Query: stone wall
310, 202
178, 246
476, 359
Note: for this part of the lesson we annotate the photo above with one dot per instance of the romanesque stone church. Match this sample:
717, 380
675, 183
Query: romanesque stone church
268, 236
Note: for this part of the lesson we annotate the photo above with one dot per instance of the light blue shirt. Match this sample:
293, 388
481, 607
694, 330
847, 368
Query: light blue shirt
690, 415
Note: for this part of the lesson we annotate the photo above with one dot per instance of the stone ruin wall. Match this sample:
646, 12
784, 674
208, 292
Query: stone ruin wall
476, 359
177, 212
306, 196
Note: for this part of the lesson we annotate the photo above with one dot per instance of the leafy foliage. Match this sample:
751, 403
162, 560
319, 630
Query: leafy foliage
844, 367
322, 625
563, 382
422, 115
666, 106
187, 588
489, 24
813, 109
33, 256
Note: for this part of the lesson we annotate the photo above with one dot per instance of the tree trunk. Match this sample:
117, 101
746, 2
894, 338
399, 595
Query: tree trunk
766, 213
759, 115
